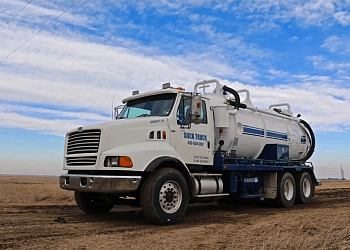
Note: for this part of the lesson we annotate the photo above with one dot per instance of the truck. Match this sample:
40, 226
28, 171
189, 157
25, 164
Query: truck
168, 148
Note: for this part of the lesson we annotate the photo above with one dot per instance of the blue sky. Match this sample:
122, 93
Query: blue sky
68, 74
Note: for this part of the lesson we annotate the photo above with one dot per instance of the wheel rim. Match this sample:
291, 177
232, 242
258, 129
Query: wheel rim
306, 187
170, 197
288, 189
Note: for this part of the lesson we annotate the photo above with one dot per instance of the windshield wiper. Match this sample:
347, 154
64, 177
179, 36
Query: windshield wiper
143, 115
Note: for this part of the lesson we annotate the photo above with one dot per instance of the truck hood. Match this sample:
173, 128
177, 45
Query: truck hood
127, 131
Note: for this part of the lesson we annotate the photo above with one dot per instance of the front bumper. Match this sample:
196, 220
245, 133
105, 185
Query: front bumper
100, 183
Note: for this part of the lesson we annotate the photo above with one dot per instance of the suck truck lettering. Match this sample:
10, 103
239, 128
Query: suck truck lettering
196, 137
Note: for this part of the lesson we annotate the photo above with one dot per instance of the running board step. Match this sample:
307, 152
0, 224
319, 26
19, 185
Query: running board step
209, 195
206, 174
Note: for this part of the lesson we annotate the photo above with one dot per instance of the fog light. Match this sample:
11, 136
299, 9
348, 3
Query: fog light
66, 181
83, 182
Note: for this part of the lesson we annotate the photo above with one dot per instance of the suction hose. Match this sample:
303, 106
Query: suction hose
237, 103
313, 141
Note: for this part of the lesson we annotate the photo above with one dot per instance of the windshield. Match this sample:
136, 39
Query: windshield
156, 105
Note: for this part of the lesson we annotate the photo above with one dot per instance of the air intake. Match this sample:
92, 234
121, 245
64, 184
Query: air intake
81, 161
84, 142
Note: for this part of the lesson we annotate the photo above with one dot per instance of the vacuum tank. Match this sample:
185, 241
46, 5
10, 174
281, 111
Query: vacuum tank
249, 132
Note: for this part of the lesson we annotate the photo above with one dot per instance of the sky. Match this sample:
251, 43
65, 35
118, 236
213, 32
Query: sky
64, 64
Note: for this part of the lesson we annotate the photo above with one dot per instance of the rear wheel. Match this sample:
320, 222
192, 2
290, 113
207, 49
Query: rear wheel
286, 189
164, 196
92, 203
305, 188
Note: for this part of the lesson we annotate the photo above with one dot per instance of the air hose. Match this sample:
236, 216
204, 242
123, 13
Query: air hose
313, 141
237, 103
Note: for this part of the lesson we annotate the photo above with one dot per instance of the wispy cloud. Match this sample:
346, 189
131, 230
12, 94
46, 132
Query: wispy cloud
337, 44
36, 14
44, 120
315, 12
52, 113
55, 127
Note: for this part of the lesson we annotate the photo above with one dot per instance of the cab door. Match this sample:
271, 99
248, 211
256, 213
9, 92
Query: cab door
193, 142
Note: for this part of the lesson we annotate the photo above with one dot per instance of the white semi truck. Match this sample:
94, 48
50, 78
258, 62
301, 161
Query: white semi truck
168, 148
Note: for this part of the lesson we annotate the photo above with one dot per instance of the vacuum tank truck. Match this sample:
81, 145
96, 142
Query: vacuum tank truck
168, 148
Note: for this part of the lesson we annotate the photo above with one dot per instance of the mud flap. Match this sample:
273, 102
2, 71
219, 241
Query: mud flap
270, 185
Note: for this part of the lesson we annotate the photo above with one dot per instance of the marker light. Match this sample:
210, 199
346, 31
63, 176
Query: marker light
164, 135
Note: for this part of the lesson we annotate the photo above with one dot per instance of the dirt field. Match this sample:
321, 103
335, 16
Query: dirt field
36, 214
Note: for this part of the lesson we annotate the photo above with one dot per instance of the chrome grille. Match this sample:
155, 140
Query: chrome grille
81, 161
83, 142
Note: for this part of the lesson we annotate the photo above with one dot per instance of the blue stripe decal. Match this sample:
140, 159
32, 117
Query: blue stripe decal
248, 130
276, 135
303, 140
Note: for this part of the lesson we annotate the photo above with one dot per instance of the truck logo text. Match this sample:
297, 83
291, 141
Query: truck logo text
157, 121
195, 136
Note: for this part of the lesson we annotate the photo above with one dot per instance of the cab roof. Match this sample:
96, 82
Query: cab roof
150, 93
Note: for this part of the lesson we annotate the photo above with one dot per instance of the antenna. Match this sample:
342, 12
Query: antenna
112, 107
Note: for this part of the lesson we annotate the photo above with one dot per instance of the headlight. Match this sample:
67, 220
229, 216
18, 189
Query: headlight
118, 161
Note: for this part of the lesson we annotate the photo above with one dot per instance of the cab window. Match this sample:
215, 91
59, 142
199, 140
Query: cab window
184, 110
156, 105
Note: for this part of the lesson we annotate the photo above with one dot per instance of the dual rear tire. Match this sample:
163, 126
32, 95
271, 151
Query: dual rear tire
305, 188
289, 189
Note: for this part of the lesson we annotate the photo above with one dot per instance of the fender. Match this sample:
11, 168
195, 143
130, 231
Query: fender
158, 161
175, 163
141, 154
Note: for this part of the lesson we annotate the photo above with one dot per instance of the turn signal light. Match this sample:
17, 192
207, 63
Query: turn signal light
125, 161
164, 135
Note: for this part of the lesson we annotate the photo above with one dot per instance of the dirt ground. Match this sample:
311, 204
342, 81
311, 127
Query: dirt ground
36, 214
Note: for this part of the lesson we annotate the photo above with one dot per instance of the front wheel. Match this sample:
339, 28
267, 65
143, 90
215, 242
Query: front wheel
164, 196
305, 188
286, 190
92, 203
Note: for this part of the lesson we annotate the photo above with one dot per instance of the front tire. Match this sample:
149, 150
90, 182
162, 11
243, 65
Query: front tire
92, 203
164, 196
305, 188
286, 189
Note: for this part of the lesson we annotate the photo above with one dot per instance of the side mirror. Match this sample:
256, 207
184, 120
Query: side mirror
117, 111
196, 108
